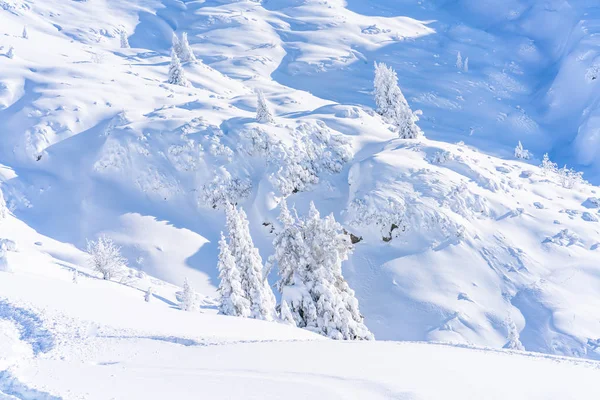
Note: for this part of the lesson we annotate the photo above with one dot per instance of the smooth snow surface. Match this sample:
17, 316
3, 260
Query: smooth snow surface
461, 241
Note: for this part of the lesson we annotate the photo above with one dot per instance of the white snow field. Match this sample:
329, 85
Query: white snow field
461, 242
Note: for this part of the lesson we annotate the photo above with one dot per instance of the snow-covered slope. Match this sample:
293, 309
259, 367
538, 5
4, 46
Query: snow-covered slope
461, 242
96, 339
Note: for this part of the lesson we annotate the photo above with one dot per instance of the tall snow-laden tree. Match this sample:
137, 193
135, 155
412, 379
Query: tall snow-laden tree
311, 279
75, 278
25, 35
392, 104
263, 112
232, 300
3, 209
176, 73
254, 284
105, 257
176, 44
186, 54
11, 52
459, 61
124, 39
513, 336
466, 65
188, 297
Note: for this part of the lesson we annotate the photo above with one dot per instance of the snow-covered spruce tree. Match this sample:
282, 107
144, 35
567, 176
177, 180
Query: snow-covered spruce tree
176, 73
148, 294
105, 257
188, 297
231, 299
459, 61
254, 283
11, 52
75, 278
392, 105
263, 112
124, 39
285, 314
3, 209
513, 336
186, 54
521, 153
318, 295
176, 44
466, 65
25, 35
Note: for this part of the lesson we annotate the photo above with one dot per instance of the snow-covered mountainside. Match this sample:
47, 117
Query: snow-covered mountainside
456, 239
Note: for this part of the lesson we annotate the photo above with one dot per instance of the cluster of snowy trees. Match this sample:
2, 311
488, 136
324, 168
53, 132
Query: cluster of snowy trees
392, 105
180, 53
460, 64
309, 253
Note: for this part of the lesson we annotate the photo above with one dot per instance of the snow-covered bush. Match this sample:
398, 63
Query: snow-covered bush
224, 190
567, 177
176, 73
309, 253
4, 266
315, 149
285, 314
105, 257
247, 259
124, 39
8, 245
148, 295
441, 157
263, 112
188, 300
521, 153
231, 295
392, 104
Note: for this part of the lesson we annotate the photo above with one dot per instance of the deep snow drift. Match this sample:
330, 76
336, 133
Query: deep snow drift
461, 242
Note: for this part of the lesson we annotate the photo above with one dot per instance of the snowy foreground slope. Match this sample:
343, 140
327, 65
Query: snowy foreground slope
100, 340
460, 242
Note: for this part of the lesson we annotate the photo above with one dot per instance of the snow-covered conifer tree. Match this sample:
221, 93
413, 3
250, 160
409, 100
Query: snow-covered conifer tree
513, 336
319, 298
466, 65
3, 209
105, 257
232, 300
459, 61
285, 314
176, 44
263, 112
124, 39
176, 73
521, 153
392, 105
186, 54
255, 286
25, 35
188, 297
11, 52
148, 294
75, 276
